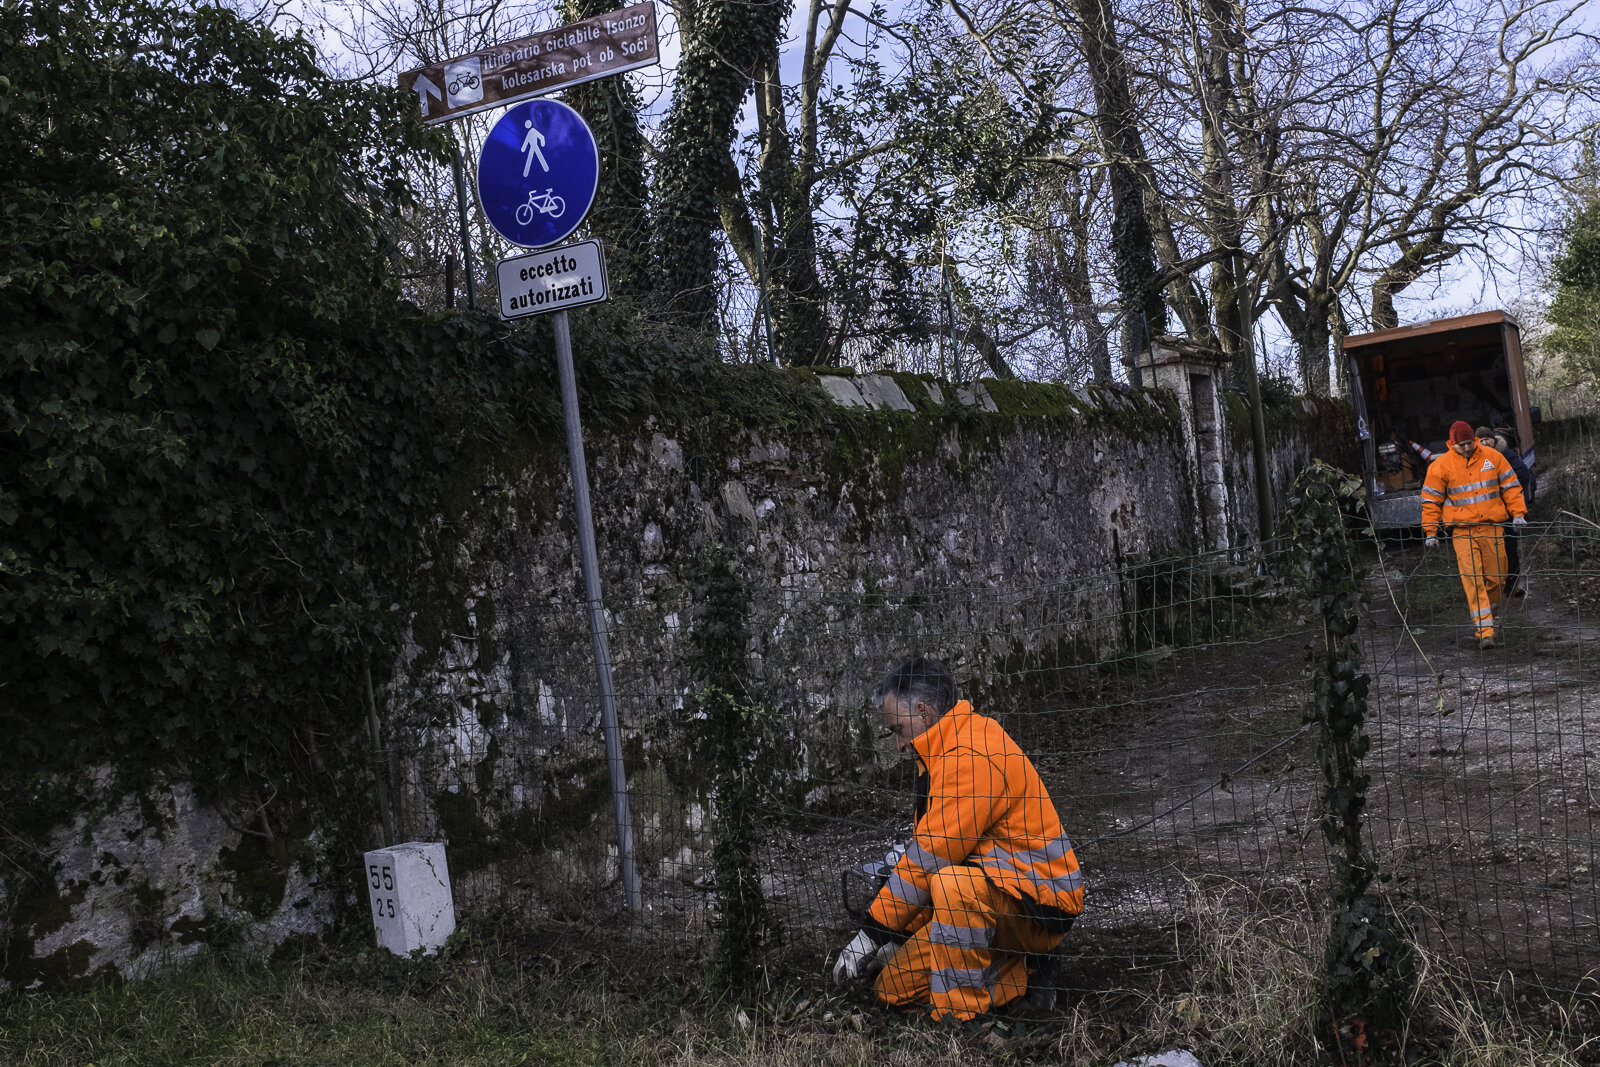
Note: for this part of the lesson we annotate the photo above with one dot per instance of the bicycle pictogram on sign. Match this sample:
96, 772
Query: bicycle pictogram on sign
545, 203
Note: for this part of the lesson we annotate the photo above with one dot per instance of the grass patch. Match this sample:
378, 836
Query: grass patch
477, 1004
1243, 994
1252, 996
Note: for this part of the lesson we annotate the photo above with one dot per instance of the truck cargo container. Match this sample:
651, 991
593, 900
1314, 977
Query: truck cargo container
1410, 383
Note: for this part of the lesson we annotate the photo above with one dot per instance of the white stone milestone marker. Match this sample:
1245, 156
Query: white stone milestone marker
409, 889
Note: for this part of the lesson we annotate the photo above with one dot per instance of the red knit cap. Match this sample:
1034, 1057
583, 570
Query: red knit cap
1461, 431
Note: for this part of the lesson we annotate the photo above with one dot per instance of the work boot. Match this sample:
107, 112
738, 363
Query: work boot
1486, 642
1040, 999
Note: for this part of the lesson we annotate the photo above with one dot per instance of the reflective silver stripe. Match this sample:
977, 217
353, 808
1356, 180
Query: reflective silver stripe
963, 937
907, 893
925, 859
1049, 854
1429, 490
945, 979
1467, 487
1067, 883
1471, 500
1484, 614
1508, 474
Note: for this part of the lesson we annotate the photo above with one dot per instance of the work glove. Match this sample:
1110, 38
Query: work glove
1519, 521
1432, 542
854, 958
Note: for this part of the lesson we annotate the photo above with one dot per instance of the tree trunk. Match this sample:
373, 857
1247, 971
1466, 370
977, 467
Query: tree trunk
722, 42
790, 231
1306, 316
1415, 261
1132, 245
1218, 105
971, 330
620, 216
1311, 348
1078, 285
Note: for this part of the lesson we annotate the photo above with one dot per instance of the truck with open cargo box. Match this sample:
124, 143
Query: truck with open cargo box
1410, 383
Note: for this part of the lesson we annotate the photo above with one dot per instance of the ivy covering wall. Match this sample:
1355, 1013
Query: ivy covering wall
224, 436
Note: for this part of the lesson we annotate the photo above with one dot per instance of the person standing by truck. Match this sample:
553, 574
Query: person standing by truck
1489, 438
1469, 491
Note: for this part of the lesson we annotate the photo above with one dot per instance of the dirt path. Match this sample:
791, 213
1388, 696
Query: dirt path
1483, 801
1184, 766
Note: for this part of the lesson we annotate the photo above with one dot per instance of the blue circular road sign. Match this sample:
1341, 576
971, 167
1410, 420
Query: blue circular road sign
538, 172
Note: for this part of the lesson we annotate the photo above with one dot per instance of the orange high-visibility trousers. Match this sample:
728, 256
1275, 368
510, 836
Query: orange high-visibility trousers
1481, 559
971, 956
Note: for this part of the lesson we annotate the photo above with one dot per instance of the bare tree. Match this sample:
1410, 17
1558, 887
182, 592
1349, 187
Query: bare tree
1306, 153
1435, 123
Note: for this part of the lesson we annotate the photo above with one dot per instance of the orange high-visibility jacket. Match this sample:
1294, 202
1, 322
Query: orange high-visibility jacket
986, 807
1461, 491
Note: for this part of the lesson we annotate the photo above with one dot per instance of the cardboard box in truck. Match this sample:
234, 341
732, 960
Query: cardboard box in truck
1410, 383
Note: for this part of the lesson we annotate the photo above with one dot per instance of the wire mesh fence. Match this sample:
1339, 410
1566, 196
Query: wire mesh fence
1483, 761
1163, 704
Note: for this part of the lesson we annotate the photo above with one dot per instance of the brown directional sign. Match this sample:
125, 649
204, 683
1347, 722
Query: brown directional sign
531, 66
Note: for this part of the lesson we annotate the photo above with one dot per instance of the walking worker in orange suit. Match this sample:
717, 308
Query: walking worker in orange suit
1470, 490
990, 877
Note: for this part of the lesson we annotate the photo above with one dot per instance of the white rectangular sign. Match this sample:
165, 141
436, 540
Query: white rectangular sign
553, 279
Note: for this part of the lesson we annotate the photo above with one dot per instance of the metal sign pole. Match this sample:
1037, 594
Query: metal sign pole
765, 302
597, 618
466, 234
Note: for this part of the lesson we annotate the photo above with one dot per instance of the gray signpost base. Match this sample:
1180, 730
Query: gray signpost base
597, 617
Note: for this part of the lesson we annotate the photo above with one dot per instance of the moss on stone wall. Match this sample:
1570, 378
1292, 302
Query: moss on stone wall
1098, 410
1328, 427
575, 797
39, 910
65, 967
261, 865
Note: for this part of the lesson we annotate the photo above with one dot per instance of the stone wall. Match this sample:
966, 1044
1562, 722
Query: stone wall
996, 527
135, 882
1298, 429
993, 525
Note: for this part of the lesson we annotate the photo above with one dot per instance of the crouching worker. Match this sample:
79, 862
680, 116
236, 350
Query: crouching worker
990, 878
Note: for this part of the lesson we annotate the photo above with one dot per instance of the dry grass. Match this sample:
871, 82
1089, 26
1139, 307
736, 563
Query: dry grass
1486, 1025
1252, 994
